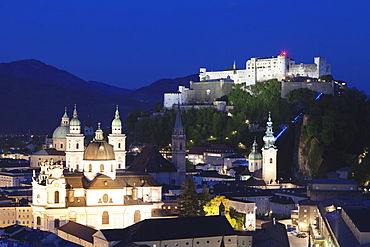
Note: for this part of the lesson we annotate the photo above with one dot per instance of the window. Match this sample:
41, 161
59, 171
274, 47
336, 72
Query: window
90, 168
119, 145
105, 198
56, 197
111, 167
61, 145
137, 216
77, 145
270, 160
101, 168
56, 223
38, 220
105, 218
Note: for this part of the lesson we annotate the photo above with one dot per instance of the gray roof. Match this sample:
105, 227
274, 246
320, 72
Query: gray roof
78, 230
151, 161
332, 181
172, 228
360, 217
49, 151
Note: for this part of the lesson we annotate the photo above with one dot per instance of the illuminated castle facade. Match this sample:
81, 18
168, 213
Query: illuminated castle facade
262, 69
92, 188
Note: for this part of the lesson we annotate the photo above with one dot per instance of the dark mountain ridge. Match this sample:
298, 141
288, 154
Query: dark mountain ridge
33, 96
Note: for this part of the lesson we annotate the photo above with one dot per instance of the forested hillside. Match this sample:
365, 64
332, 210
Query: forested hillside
335, 131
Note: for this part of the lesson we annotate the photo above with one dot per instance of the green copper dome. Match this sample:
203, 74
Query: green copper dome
255, 155
116, 121
74, 121
61, 132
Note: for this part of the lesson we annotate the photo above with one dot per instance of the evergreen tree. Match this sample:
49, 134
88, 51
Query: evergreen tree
189, 199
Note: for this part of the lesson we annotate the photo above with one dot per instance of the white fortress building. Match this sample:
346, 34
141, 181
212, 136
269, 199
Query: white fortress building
215, 84
262, 69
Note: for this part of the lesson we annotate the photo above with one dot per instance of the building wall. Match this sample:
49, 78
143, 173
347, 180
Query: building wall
322, 87
262, 69
207, 92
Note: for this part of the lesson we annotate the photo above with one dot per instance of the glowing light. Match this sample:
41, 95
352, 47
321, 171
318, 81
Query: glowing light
283, 53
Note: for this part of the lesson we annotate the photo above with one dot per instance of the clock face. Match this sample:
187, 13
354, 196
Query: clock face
56, 185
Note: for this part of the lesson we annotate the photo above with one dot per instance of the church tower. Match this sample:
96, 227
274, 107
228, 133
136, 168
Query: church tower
179, 144
269, 154
118, 141
75, 143
59, 134
254, 158
48, 191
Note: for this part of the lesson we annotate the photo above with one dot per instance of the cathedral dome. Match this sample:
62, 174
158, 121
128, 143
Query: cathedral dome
61, 132
99, 150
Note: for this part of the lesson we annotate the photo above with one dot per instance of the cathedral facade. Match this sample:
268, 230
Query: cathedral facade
91, 187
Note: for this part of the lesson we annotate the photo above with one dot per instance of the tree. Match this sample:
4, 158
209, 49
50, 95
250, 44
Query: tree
204, 198
235, 218
189, 199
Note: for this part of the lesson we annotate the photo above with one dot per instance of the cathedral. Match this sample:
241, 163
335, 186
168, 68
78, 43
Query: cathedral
91, 186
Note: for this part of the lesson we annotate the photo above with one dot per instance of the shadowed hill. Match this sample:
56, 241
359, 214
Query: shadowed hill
39, 71
154, 92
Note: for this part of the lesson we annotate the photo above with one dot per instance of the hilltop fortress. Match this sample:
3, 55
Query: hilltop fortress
262, 69
213, 85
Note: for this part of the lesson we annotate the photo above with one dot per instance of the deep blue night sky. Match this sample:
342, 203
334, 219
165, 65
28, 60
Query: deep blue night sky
133, 43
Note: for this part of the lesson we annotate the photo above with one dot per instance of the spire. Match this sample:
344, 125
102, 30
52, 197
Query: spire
65, 118
234, 65
255, 154
116, 121
269, 138
74, 120
178, 122
99, 134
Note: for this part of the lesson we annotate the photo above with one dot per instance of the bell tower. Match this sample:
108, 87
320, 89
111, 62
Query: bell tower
75, 143
118, 141
269, 154
179, 144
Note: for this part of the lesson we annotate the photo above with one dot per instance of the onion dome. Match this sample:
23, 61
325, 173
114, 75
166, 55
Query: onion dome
74, 120
116, 121
99, 149
255, 155
269, 138
61, 131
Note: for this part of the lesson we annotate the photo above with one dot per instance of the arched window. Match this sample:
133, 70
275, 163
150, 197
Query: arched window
119, 145
101, 168
38, 220
56, 223
180, 145
270, 160
56, 197
61, 145
77, 145
119, 166
105, 218
111, 168
137, 216
90, 168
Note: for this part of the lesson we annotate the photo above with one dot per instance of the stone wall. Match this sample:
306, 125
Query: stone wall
322, 87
